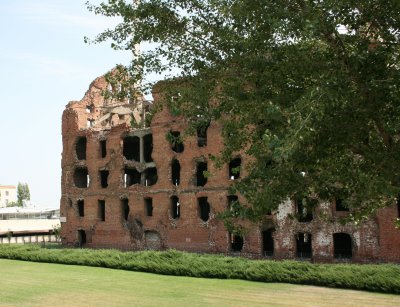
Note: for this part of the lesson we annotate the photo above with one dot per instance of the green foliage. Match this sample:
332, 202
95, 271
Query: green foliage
12, 204
378, 278
316, 107
57, 232
173, 140
22, 193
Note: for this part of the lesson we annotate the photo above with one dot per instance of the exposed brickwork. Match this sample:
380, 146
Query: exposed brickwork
109, 121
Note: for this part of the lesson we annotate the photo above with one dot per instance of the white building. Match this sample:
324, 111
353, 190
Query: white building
8, 194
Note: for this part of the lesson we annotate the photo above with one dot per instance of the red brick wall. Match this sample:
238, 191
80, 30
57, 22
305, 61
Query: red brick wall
374, 240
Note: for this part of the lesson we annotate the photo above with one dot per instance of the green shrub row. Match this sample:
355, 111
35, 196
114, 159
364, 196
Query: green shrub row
378, 278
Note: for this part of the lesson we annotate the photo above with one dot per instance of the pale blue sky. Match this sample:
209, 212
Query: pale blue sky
44, 65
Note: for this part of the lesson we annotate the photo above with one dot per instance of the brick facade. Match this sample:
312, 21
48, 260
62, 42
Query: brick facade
118, 191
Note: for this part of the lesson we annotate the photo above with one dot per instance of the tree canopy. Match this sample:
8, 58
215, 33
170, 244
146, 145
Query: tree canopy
309, 89
22, 193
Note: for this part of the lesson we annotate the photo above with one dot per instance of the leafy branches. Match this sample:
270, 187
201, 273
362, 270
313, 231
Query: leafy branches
308, 89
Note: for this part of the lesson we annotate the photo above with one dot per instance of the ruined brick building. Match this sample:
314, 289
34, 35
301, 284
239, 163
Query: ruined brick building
131, 188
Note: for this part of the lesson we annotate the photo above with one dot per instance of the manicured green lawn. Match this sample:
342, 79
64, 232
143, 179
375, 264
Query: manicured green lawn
41, 284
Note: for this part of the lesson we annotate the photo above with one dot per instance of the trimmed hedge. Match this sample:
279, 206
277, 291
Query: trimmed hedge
378, 278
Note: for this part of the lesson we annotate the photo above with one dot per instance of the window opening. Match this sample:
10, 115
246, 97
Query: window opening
176, 143
304, 214
268, 242
202, 135
233, 205
148, 147
201, 179
102, 210
81, 238
81, 207
204, 208
303, 244
175, 207
236, 243
90, 108
148, 205
342, 245
150, 176
104, 178
80, 148
176, 172
234, 168
131, 177
125, 208
103, 148
232, 199
131, 148
341, 205
81, 177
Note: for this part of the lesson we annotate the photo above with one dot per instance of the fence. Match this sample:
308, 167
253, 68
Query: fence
26, 239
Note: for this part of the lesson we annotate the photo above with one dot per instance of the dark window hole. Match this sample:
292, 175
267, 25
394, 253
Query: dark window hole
342, 245
81, 177
201, 179
176, 172
81, 148
175, 207
102, 210
204, 208
148, 206
234, 168
131, 148
131, 177
303, 245
104, 178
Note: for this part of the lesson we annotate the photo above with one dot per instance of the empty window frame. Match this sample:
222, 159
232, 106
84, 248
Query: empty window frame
131, 177
304, 214
176, 142
80, 148
81, 177
233, 205
148, 206
89, 123
303, 245
342, 246
268, 242
175, 172
204, 208
234, 168
175, 207
104, 178
236, 242
102, 210
231, 200
340, 205
201, 179
81, 207
202, 135
89, 108
148, 147
81, 238
125, 208
131, 148
103, 148
150, 176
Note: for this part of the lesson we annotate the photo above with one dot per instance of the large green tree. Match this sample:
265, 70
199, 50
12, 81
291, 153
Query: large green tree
22, 193
309, 89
